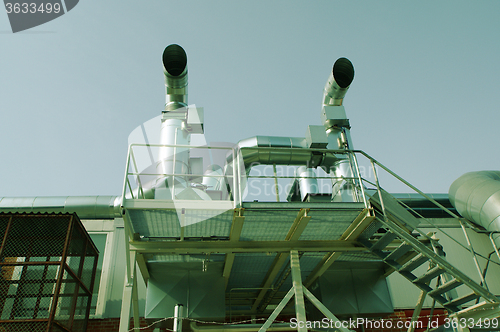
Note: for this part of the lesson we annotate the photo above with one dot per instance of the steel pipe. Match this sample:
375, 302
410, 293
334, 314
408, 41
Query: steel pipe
87, 207
294, 152
176, 78
476, 196
338, 83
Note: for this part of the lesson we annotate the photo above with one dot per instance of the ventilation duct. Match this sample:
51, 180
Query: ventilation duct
176, 78
476, 196
338, 83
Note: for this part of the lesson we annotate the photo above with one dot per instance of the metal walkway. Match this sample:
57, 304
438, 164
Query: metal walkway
280, 249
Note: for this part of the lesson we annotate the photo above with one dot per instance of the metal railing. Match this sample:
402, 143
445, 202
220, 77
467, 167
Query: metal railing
238, 177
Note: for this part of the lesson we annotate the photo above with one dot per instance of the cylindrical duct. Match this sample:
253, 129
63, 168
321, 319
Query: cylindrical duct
213, 178
176, 80
308, 184
173, 160
178, 315
338, 83
342, 187
339, 136
476, 196
87, 207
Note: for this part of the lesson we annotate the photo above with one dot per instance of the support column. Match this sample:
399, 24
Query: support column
277, 311
418, 309
126, 304
135, 301
130, 295
300, 307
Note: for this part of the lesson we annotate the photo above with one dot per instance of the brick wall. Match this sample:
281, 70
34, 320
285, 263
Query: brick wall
388, 324
113, 324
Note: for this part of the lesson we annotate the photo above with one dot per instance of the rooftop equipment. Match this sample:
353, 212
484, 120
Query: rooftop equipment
200, 239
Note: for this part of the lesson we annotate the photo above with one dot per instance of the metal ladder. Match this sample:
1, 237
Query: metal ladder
399, 224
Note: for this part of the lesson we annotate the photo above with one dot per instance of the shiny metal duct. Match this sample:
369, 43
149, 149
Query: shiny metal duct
297, 156
87, 207
308, 184
176, 79
213, 178
476, 196
338, 83
337, 126
173, 160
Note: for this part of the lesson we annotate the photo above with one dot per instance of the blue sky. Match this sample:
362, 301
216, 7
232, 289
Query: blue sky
424, 100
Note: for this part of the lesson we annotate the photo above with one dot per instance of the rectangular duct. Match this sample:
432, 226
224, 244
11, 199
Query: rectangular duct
200, 291
348, 290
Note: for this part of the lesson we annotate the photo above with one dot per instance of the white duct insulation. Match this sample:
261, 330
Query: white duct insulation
476, 196
87, 207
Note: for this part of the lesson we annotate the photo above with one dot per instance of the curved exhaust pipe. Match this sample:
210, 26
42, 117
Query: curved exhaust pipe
338, 83
176, 78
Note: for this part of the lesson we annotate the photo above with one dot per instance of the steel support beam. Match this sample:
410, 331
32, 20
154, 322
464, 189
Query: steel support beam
135, 302
298, 226
234, 236
141, 263
205, 247
324, 310
129, 296
277, 311
418, 309
300, 306
357, 227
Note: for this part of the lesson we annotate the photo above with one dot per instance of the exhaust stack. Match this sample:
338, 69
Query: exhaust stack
338, 83
176, 78
173, 160
337, 127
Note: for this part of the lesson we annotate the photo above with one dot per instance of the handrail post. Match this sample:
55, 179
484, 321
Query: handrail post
355, 160
124, 190
379, 190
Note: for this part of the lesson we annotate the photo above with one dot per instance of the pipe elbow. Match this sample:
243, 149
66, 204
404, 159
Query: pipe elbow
176, 76
338, 83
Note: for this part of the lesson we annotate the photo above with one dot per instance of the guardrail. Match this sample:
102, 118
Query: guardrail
141, 176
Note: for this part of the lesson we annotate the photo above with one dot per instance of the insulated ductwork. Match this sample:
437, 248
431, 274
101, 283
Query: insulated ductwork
175, 71
173, 160
476, 196
337, 126
294, 152
338, 83
87, 207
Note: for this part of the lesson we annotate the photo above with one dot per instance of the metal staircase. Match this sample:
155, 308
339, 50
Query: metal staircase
394, 223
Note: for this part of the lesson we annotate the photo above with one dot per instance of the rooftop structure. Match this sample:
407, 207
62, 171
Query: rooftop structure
230, 233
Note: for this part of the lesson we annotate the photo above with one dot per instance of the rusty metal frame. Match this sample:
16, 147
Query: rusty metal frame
87, 251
